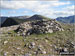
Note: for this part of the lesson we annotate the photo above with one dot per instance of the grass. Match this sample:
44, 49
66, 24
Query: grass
43, 39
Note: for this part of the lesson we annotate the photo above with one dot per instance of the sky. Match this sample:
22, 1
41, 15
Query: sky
49, 8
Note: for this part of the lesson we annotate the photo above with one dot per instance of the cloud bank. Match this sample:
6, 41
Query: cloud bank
48, 8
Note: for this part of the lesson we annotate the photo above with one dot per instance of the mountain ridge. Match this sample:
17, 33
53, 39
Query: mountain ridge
38, 17
17, 20
12, 21
69, 19
20, 19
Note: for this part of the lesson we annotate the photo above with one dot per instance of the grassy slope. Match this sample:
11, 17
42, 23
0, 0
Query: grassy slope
52, 39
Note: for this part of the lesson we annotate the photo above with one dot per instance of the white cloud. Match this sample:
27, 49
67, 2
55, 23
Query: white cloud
58, 3
29, 4
70, 8
18, 4
47, 8
63, 13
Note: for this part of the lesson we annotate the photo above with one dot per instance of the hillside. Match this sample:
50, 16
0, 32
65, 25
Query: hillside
2, 19
43, 37
16, 18
12, 21
46, 44
70, 19
9, 21
38, 17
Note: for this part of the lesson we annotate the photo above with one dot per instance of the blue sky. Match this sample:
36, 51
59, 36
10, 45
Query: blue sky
50, 9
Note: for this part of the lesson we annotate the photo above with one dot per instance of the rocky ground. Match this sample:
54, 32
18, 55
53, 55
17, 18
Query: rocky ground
46, 44
39, 27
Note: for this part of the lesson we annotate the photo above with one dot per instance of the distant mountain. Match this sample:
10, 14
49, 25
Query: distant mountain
12, 21
2, 19
69, 19
38, 17
9, 21
22, 17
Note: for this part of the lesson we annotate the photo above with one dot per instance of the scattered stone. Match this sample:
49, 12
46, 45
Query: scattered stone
51, 45
32, 43
40, 46
9, 33
43, 52
50, 31
46, 41
18, 48
5, 53
36, 39
30, 47
65, 49
5, 42
27, 54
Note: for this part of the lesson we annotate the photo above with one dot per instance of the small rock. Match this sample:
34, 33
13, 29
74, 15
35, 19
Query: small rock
30, 47
5, 42
65, 49
9, 33
40, 47
5, 53
18, 48
27, 54
36, 39
50, 31
32, 43
46, 41
43, 52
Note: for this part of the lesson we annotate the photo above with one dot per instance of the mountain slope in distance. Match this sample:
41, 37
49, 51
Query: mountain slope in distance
38, 17
20, 19
69, 19
12, 21
2, 19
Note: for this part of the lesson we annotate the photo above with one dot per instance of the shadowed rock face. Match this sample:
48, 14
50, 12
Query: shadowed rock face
12, 21
38, 27
2, 19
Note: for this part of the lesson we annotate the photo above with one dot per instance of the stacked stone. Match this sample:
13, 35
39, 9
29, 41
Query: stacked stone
46, 27
24, 28
38, 27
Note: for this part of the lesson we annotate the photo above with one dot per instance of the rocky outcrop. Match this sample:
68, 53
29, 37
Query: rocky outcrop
37, 27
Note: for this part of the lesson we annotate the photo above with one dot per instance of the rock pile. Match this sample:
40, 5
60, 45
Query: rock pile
38, 27
24, 28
